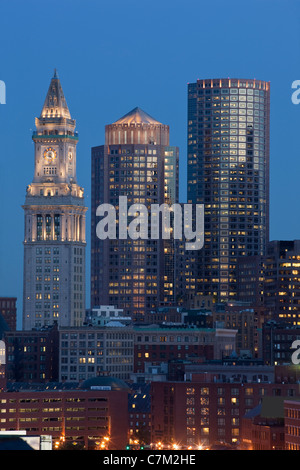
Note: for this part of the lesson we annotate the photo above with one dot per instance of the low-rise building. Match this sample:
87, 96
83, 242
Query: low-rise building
91, 415
292, 424
32, 355
207, 412
165, 343
18, 440
86, 352
263, 427
104, 314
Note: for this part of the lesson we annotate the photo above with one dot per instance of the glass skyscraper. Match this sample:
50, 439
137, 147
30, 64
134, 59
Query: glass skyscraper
228, 172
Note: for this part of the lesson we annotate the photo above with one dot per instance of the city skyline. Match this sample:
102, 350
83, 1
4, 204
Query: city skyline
148, 89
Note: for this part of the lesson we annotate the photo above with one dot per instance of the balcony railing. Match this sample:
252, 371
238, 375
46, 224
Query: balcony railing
36, 134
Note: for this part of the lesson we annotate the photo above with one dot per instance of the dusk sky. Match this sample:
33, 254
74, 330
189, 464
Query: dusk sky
112, 56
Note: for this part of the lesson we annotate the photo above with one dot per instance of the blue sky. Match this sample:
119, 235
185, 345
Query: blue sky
114, 56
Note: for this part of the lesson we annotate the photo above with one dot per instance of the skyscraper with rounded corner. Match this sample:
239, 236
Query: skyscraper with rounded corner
228, 172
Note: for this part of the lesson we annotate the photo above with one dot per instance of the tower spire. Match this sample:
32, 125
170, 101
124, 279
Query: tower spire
55, 105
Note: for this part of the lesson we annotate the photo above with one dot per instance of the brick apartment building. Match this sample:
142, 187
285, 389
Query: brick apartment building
292, 424
162, 344
206, 413
32, 355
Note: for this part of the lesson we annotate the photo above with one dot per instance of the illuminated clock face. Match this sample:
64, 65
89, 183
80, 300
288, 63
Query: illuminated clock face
50, 155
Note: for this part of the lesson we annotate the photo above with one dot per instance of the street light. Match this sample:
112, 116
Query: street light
104, 443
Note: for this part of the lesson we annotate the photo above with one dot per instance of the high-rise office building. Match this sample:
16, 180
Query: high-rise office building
54, 240
271, 283
282, 280
228, 172
136, 162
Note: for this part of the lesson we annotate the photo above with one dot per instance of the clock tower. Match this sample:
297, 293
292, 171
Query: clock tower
54, 238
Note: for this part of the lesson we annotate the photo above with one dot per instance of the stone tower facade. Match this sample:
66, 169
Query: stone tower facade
54, 238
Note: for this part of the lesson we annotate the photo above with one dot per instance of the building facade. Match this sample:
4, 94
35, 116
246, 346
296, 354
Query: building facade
244, 320
263, 427
136, 162
251, 278
91, 415
205, 413
282, 281
271, 283
104, 314
228, 172
32, 355
157, 345
292, 424
139, 409
92, 351
54, 239
277, 341
8, 310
